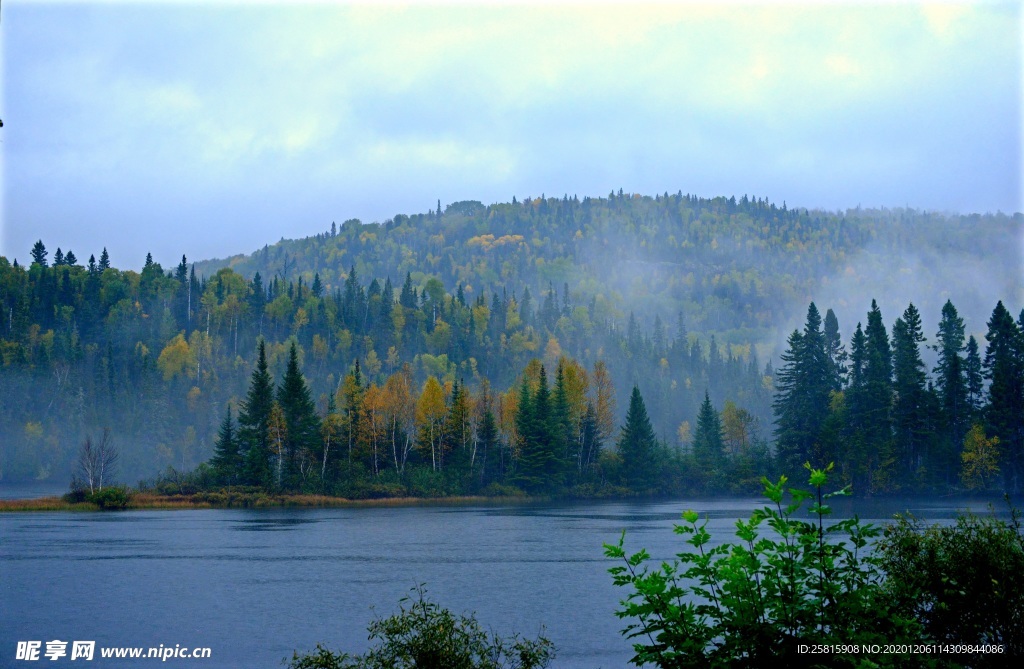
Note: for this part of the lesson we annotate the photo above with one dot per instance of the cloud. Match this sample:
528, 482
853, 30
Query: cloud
398, 105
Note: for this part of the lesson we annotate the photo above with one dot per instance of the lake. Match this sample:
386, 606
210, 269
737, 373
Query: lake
254, 585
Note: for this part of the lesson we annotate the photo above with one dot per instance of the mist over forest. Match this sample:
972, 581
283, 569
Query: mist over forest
684, 297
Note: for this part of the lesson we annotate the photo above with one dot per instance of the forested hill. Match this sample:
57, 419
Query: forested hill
727, 264
678, 295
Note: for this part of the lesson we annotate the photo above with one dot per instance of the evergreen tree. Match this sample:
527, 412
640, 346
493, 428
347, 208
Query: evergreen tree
104, 260
562, 429
834, 351
407, 298
910, 405
254, 423
352, 408
227, 460
637, 446
1004, 368
951, 388
537, 467
708, 446
590, 439
301, 421
39, 254
974, 378
658, 336
802, 402
70, 260
457, 430
58, 258
487, 439
181, 271
526, 308
875, 401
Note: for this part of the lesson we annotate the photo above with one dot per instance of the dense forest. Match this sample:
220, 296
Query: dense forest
547, 345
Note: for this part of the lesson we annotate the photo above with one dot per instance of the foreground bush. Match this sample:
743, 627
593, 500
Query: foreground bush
422, 635
110, 499
965, 582
754, 602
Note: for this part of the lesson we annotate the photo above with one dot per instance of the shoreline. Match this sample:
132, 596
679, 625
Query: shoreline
227, 500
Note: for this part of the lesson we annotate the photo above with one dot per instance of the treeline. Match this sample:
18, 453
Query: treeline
673, 293
875, 411
394, 439
728, 263
158, 355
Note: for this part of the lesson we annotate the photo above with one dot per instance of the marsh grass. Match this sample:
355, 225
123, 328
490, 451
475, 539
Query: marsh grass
225, 499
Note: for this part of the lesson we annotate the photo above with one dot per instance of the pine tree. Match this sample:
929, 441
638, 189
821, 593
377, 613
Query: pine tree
39, 254
487, 438
708, 446
562, 429
70, 260
227, 460
802, 402
951, 387
1004, 368
457, 430
637, 446
871, 404
104, 260
910, 405
537, 467
254, 423
351, 396
303, 424
974, 378
181, 271
834, 351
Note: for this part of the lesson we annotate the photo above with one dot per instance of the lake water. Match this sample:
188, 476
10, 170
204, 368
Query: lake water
254, 585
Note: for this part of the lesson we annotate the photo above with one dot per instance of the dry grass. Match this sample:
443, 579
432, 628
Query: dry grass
44, 504
225, 499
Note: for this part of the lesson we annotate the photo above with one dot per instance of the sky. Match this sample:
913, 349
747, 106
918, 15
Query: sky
213, 128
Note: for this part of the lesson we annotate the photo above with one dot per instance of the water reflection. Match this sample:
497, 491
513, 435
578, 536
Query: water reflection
254, 585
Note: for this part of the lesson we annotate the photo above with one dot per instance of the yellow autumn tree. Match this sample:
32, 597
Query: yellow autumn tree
430, 412
577, 384
980, 459
604, 400
736, 427
176, 359
373, 418
399, 416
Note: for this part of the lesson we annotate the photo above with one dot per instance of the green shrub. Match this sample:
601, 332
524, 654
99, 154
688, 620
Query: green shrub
110, 499
422, 635
496, 489
964, 581
755, 601
76, 496
423, 482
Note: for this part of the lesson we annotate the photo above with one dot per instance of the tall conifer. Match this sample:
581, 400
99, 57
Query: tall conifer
301, 421
637, 446
254, 422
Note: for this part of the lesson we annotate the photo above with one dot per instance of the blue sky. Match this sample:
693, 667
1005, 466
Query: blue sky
215, 128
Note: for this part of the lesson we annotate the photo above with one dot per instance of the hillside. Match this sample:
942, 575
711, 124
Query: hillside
676, 294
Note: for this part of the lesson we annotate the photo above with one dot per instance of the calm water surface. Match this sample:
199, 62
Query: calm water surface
254, 585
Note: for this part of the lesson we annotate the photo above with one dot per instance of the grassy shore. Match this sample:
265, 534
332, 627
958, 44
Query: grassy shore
247, 500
